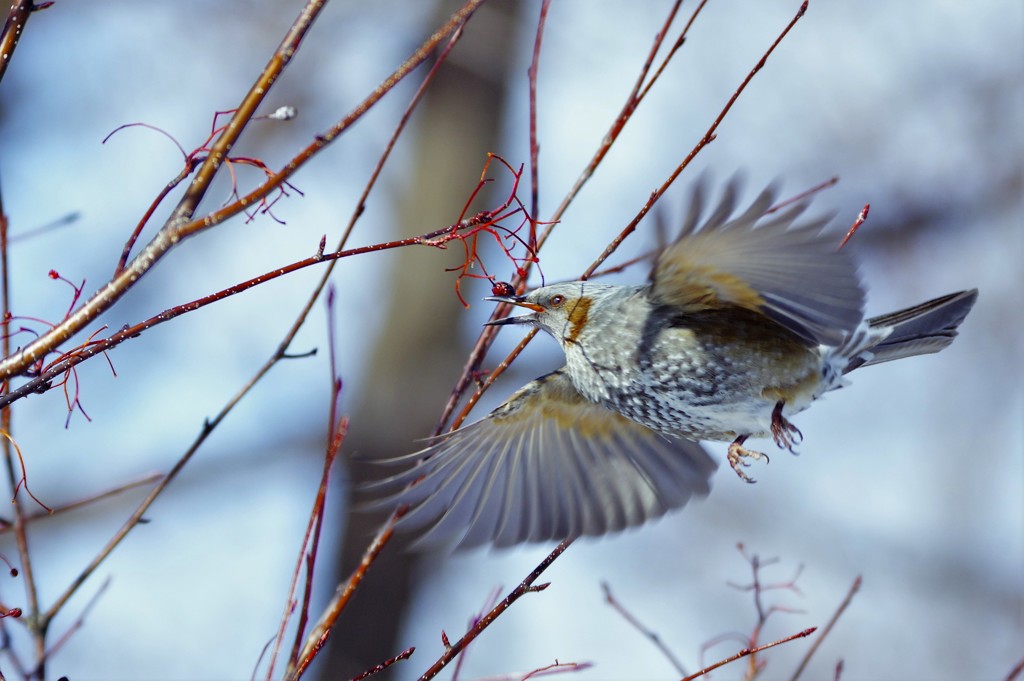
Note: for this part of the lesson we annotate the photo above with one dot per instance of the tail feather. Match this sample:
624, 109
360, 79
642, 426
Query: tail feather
918, 330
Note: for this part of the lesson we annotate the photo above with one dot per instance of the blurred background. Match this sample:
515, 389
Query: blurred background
912, 478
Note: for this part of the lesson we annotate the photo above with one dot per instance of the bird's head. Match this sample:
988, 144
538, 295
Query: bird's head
562, 310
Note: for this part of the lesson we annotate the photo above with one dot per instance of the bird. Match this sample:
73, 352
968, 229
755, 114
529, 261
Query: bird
747, 318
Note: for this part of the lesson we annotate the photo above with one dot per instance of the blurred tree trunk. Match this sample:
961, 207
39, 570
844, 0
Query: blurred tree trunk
422, 351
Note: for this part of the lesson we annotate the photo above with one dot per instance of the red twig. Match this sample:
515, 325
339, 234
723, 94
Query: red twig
708, 137
615, 269
181, 225
318, 635
23, 480
376, 669
9, 446
831, 182
675, 46
56, 276
492, 600
525, 587
854, 588
18, 16
547, 670
336, 429
488, 221
192, 161
486, 337
297, 664
757, 587
467, 229
856, 224
750, 651
633, 100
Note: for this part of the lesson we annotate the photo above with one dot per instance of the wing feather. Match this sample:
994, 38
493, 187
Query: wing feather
792, 273
546, 465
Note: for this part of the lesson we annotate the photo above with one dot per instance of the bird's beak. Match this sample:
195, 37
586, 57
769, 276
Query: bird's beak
519, 301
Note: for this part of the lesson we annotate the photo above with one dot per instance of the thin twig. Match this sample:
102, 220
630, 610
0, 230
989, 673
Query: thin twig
1016, 672
821, 186
323, 139
547, 670
180, 225
63, 221
534, 145
750, 651
615, 269
79, 621
10, 450
311, 540
318, 635
492, 600
639, 626
208, 427
525, 587
675, 47
18, 16
708, 137
758, 588
91, 499
438, 239
625, 114
336, 430
376, 669
126, 250
486, 337
861, 217
854, 588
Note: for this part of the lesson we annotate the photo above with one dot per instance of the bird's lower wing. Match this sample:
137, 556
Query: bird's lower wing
546, 465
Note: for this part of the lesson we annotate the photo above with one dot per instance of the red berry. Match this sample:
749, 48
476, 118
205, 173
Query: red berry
502, 288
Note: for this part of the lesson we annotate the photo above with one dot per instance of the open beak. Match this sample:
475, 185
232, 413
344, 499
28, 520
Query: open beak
518, 301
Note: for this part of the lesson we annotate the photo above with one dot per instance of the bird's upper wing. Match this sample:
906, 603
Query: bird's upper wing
546, 465
794, 274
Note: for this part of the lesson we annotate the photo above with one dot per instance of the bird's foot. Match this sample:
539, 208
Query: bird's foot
785, 434
737, 454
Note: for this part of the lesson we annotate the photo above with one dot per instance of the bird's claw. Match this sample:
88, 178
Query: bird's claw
737, 455
785, 434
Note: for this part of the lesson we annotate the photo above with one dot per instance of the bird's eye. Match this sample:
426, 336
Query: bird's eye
556, 300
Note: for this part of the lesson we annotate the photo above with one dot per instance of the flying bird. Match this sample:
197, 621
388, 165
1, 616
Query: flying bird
747, 318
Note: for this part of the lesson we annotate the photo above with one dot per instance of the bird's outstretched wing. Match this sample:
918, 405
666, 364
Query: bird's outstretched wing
546, 465
764, 262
